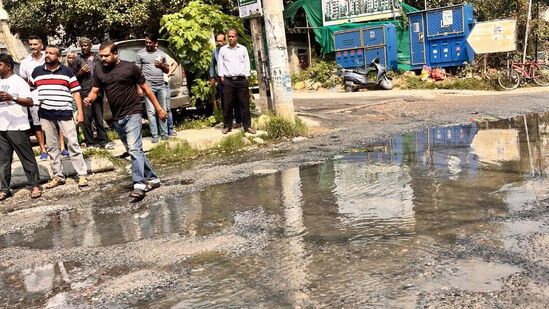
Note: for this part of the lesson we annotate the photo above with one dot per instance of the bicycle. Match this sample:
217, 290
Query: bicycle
533, 70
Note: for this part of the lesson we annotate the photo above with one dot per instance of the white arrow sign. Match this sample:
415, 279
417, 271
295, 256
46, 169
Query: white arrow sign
496, 36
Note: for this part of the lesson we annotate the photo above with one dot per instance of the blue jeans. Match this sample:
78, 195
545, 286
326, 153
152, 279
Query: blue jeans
129, 131
157, 126
169, 109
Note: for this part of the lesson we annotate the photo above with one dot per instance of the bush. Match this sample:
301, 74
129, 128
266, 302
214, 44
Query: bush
279, 128
321, 71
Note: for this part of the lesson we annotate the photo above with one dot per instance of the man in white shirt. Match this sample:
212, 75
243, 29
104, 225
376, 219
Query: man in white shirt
234, 70
15, 97
36, 58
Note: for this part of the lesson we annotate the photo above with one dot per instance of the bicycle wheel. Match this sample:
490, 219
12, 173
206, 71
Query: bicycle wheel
509, 79
541, 75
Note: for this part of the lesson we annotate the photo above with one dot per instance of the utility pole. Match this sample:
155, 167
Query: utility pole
259, 56
278, 59
527, 30
538, 19
309, 51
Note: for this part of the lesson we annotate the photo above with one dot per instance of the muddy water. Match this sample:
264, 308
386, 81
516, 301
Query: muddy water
368, 228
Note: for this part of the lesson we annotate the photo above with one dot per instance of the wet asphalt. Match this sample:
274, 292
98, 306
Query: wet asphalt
448, 209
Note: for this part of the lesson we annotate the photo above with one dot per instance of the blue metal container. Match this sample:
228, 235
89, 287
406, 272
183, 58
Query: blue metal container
438, 37
377, 41
350, 58
347, 39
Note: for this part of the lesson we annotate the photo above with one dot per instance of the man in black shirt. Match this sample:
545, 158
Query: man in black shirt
84, 67
119, 79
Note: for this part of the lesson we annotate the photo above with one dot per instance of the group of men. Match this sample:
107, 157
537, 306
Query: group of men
230, 69
59, 97
64, 96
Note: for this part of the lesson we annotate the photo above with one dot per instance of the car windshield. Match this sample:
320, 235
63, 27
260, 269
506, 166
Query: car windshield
128, 55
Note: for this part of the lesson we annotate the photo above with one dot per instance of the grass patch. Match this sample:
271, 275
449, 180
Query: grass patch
172, 152
415, 82
201, 123
112, 135
279, 128
104, 154
232, 143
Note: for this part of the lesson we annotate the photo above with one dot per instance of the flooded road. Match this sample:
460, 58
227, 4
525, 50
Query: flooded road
441, 217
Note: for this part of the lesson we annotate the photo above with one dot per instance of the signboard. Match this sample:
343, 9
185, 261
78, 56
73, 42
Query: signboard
447, 18
250, 8
496, 36
344, 11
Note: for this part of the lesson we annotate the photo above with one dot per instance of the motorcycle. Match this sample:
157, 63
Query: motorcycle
374, 75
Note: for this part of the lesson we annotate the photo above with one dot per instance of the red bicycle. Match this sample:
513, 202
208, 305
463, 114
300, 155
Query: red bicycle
533, 70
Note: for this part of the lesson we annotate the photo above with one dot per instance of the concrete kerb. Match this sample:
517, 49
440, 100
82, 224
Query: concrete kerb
94, 164
199, 139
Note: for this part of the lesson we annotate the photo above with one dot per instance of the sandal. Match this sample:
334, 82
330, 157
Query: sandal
137, 195
4, 195
36, 194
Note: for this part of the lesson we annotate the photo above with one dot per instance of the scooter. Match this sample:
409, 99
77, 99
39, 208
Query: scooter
375, 74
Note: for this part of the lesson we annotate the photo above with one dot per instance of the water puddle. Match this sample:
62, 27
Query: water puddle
350, 232
473, 275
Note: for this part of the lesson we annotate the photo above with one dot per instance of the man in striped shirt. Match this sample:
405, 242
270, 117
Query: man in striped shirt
57, 88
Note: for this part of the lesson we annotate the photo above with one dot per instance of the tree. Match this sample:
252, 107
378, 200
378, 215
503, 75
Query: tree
97, 19
190, 33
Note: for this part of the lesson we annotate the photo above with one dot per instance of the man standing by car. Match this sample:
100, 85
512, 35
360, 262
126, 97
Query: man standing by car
84, 65
57, 88
214, 77
119, 79
152, 61
234, 70
15, 97
36, 58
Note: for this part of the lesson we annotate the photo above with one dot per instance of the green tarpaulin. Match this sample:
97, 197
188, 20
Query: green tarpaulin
325, 35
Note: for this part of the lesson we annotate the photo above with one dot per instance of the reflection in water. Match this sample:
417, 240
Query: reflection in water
342, 233
296, 265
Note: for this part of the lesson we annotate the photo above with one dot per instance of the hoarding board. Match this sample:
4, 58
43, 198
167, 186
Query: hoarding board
496, 36
344, 11
250, 8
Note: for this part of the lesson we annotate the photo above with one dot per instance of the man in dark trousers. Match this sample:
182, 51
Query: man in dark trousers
234, 70
214, 77
84, 67
15, 97
120, 79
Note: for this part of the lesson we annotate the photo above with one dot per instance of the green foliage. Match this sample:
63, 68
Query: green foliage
218, 115
279, 128
201, 123
190, 33
202, 91
321, 71
172, 152
95, 19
